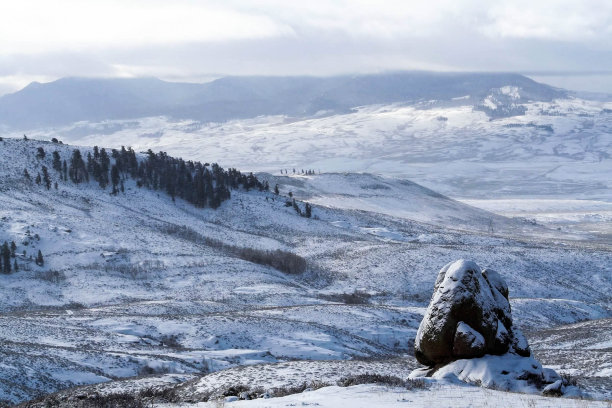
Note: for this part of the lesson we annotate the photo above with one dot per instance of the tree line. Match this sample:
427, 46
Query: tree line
201, 184
8, 258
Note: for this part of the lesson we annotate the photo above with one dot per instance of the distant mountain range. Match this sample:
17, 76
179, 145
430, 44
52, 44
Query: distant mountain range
70, 100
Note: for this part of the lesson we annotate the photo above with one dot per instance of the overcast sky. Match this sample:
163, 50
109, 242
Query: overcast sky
42, 40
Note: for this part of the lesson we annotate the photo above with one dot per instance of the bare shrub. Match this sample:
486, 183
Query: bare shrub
115, 400
283, 261
75, 306
171, 341
569, 380
148, 370
296, 389
390, 380
51, 276
160, 395
245, 392
119, 400
358, 297
235, 390
135, 271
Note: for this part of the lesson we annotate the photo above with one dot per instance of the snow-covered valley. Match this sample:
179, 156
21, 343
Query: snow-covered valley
555, 148
551, 165
132, 287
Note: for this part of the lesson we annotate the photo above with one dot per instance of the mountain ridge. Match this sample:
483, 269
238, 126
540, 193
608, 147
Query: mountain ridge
74, 99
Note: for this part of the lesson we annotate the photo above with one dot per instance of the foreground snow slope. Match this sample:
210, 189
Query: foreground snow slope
325, 383
366, 396
124, 293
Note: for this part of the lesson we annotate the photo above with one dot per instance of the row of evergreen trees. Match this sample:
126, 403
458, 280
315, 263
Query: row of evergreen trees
307, 172
200, 184
307, 209
8, 252
203, 185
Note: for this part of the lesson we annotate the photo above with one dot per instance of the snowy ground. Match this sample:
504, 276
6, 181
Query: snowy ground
569, 216
121, 294
584, 347
439, 395
316, 383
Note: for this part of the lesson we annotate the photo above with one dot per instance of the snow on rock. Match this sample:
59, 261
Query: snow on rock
467, 334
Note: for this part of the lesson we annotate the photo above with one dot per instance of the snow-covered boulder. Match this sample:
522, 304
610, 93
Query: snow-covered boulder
468, 316
468, 334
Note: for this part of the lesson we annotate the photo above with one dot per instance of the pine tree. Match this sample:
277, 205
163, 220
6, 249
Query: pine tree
26, 174
104, 167
6, 258
90, 163
115, 180
39, 259
308, 212
13, 249
65, 170
15, 266
38, 179
57, 162
97, 174
40, 153
46, 178
276, 191
78, 171
296, 207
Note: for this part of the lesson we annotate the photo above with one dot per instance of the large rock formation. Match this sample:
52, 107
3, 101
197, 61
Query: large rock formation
468, 334
468, 316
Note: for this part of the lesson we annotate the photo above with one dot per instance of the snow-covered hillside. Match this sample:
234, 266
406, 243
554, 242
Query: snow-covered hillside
137, 284
556, 150
402, 198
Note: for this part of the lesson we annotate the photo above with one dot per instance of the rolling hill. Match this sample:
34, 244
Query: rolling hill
140, 285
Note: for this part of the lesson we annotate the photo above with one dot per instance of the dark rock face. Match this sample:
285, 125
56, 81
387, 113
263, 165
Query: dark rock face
468, 342
468, 316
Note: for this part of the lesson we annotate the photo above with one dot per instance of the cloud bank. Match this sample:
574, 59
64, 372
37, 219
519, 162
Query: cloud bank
195, 40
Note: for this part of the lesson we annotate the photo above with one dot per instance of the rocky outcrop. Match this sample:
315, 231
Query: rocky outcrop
468, 334
469, 316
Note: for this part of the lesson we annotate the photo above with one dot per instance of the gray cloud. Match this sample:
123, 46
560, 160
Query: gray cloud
319, 38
